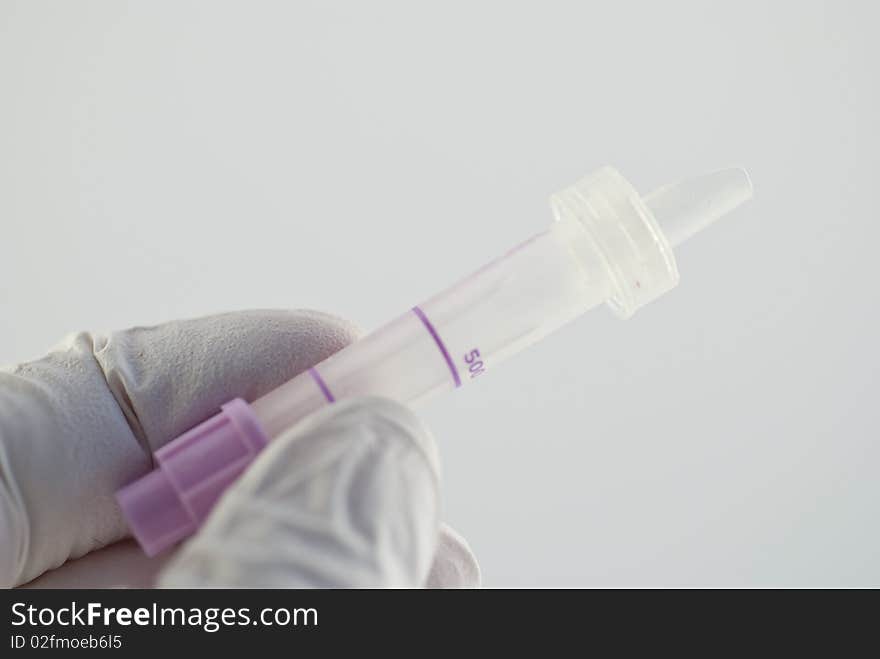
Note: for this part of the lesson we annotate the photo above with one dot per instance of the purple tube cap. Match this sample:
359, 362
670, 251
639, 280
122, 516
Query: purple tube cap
156, 515
194, 470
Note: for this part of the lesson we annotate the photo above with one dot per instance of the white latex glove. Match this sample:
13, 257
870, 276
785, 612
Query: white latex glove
346, 498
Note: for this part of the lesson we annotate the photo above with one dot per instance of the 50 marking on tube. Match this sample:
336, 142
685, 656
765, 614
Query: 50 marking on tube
475, 363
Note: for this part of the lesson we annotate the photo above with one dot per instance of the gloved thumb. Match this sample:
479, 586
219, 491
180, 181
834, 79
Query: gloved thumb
347, 498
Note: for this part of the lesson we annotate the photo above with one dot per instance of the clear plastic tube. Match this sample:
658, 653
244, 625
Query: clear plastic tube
609, 244
453, 337
522, 296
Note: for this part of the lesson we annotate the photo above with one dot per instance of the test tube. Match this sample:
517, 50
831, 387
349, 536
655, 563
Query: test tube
608, 245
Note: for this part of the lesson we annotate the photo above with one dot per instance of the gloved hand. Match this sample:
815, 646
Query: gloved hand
348, 497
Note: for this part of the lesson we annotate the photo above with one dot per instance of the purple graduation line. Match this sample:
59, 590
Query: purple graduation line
321, 385
443, 351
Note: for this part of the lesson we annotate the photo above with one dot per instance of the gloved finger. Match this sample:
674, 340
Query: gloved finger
83, 421
168, 378
124, 565
347, 498
455, 565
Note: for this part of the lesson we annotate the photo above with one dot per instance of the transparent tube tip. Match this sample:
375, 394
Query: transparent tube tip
685, 208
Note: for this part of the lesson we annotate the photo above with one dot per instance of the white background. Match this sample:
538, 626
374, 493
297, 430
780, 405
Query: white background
171, 159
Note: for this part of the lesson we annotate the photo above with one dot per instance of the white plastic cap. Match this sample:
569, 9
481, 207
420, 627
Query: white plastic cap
634, 236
